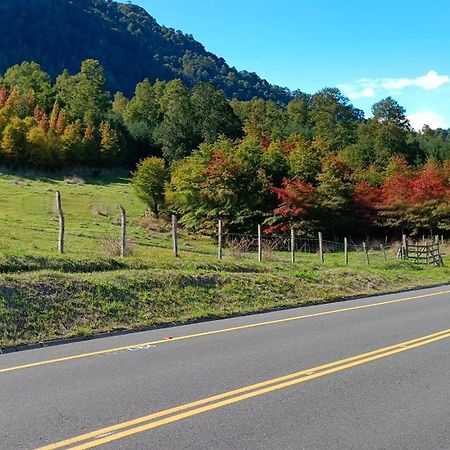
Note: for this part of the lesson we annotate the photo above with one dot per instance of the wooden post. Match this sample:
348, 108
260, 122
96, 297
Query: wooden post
436, 239
259, 243
321, 247
123, 235
175, 235
404, 247
292, 245
383, 249
366, 253
346, 251
442, 239
219, 240
428, 254
60, 214
440, 260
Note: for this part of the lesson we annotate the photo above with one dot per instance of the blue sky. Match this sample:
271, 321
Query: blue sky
368, 49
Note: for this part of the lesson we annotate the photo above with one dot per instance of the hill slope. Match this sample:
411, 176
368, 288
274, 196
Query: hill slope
130, 44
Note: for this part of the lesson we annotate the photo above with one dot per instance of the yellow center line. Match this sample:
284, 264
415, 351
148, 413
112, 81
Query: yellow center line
165, 417
220, 331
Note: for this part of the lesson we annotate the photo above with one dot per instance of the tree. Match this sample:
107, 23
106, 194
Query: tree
82, 95
396, 200
109, 143
143, 113
390, 131
149, 182
54, 115
275, 163
14, 143
29, 77
119, 104
213, 114
304, 159
90, 145
45, 149
430, 199
366, 202
177, 131
298, 120
224, 181
334, 119
262, 119
297, 199
335, 195
388, 111
73, 146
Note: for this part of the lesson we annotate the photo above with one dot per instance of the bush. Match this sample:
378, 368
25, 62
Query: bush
149, 181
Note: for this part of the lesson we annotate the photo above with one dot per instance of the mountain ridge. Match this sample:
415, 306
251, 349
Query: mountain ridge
127, 41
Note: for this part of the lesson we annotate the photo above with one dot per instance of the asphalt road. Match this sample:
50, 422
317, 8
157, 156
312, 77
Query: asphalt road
322, 377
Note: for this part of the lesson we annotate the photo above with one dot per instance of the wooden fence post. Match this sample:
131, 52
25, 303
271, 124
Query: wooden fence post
259, 243
436, 239
346, 251
123, 235
292, 245
442, 239
383, 249
428, 254
175, 235
366, 253
404, 247
438, 258
321, 247
219, 240
60, 214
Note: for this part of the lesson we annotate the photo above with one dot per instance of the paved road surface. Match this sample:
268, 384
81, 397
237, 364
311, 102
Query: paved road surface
120, 392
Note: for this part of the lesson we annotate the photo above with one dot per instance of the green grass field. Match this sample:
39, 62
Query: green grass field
46, 296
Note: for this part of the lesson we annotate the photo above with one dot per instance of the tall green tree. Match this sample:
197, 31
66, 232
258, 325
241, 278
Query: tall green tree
83, 95
335, 196
334, 119
213, 114
298, 115
176, 134
143, 113
29, 77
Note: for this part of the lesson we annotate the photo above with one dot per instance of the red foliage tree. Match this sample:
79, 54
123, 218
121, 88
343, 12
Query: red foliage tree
366, 201
429, 185
296, 199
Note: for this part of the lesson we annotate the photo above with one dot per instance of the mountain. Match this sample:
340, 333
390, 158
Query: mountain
128, 42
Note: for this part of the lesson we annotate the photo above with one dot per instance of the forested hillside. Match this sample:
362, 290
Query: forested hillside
129, 43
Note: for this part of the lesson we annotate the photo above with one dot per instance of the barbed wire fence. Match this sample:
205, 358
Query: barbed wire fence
263, 246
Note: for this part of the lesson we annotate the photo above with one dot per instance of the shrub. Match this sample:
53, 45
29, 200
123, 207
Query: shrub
149, 182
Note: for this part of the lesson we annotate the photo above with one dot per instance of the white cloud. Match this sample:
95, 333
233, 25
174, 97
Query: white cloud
430, 118
368, 87
366, 92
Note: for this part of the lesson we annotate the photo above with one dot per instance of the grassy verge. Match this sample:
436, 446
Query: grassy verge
44, 305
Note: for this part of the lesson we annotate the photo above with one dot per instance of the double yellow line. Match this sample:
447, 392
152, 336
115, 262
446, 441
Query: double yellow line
220, 331
167, 416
